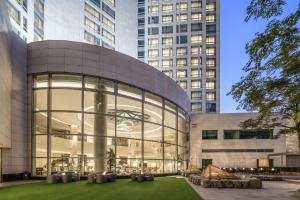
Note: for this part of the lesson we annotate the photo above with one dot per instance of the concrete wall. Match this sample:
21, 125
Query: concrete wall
5, 79
223, 122
126, 27
15, 159
13, 100
64, 20
74, 57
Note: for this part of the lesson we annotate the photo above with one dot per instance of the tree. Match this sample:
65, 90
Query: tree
271, 85
111, 159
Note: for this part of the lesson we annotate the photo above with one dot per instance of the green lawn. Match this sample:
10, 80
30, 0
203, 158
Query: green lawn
163, 188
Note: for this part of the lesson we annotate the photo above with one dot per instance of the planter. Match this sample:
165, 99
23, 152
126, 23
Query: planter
101, 178
91, 178
67, 178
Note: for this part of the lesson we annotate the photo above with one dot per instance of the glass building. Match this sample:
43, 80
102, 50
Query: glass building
88, 124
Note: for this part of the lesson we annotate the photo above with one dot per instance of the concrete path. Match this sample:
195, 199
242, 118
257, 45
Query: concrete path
14, 183
279, 190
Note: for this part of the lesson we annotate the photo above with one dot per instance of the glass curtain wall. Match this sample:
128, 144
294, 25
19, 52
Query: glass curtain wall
88, 124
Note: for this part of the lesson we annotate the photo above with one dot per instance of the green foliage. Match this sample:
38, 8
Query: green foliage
111, 159
272, 82
264, 9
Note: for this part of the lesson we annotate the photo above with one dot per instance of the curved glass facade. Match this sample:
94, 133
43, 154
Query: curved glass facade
88, 124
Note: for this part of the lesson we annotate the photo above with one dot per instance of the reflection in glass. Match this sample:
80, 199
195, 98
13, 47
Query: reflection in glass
65, 123
40, 142
170, 166
152, 113
99, 125
40, 99
40, 81
99, 102
99, 84
125, 166
170, 135
152, 132
181, 139
128, 148
66, 99
40, 122
39, 166
65, 145
153, 166
63, 80
153, 150
129, 91
170, 119
65, 163
170, 151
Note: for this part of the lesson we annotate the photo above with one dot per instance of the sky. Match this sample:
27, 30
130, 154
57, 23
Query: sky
235, 33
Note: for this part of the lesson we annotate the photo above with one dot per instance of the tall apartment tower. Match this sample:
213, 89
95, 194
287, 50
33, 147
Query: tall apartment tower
99, 22
181, 38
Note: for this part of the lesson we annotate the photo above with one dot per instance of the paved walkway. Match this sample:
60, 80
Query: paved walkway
14, 183
279, 190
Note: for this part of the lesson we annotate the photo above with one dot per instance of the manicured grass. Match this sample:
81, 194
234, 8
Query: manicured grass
163, 188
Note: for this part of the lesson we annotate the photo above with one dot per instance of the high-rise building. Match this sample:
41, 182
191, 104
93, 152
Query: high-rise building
92, 21
181, 38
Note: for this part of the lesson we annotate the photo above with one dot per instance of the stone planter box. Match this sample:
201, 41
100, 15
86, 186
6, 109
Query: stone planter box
251, 183
67, 178
268, 178
91, 178
54, 178
101, 178
142, 177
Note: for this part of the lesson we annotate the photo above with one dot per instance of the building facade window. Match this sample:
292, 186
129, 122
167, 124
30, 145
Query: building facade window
210, 96
167, 8
153, 63
167, 52
196, 84
167, 19
181, 73
167, 41
209, 134
211, 107
73, 135
210, 51
196, 107
210, 73
153, 42
195, 39
210, 85
181, 62
167, 63
196, 95
181, 17
196, 73
181, 51
92, 11
248, 134
210, 40
196, 16
210, 18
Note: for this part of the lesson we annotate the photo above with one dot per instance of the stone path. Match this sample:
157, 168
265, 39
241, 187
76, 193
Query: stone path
14, 183
279, 190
